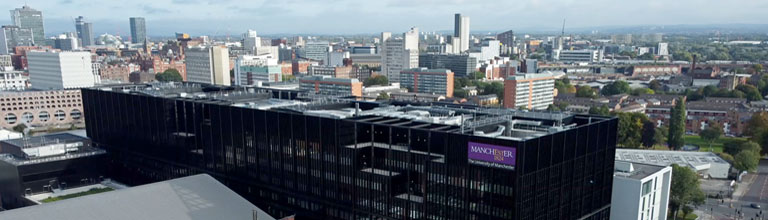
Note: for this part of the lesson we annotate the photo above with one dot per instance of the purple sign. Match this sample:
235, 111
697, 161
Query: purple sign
491, 155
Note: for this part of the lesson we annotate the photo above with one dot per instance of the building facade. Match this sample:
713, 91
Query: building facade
84, 31
461, 31
317, 51
251, 69
461, 65
13, 36
331, 86
430, 81
13, 80
29, 18
640, 191
138, 30
208, 65
399, 53
41, 108
60, 70
326, 162
530, 90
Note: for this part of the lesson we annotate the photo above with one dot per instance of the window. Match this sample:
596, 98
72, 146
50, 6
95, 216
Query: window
27, 117
647, 187
76, 114
10, 118
44, 116
60, 115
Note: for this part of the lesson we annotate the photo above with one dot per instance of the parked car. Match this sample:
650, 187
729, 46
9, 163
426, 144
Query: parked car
755, 205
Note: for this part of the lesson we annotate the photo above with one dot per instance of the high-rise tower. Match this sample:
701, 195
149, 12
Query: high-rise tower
461, 31
28, 18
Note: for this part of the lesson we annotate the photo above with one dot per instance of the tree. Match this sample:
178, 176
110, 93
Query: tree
757, 129
649, 134
169, 75
642, 91
586, 92
661, 135
19, 128
288, 77
630, 129
758, 68
746, 161
646, 56
376, 80
616, 87
602, 110
478, 75
677, 125
751, 92
655, 85
383, 96
460, 93
685, 189
563, 86
727, 157
711, 134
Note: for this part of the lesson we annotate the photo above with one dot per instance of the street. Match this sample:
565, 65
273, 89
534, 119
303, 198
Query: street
741, 205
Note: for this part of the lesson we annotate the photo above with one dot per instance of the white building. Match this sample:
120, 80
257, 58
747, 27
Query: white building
640, 191
336, 58
706, 164
251, 41
488, 50
398, 54
8, 135
663, 49
317, 50
60, 70
208, 65
12, 80
530, 90
250, 69
590, 56
461, 31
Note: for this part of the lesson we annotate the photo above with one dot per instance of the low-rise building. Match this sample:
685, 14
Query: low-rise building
640, 191
461, 65
41, 108
706, 164
13, 80
530, 90
331, 86
416, 97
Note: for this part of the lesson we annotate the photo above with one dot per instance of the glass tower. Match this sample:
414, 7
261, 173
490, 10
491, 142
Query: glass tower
138, 30
28, 18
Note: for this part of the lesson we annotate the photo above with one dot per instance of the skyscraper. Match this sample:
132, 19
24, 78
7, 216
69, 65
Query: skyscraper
461, 30
84, 31
138, 30
28, 18
13, 36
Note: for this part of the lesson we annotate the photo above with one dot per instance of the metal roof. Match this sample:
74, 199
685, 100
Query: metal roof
702, 162
188, 198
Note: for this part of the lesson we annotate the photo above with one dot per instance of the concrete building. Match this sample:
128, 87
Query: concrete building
576, 56
41, 108
640, 191
430, 81
370, 60
60, 70
208, 65
462, 65
157, 64
6, 63
28, 18
461, 31
621, 38
84, 31
662, 49
486, 51
507, 40
336, 58
706, 164
13, 36
138, 30
331, 86
251, 41
9, 134
398, 54
317, 51
530, 90
11, 80
66, 41
250, 69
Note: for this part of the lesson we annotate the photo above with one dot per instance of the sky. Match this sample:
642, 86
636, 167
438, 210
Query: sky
222, 17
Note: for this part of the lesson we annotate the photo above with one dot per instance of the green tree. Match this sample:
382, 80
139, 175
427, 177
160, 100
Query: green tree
616, 87
169, 75
685, 189
376, 80
20, 128
649, 134
602, 110
661, 135
631, 129
460, 93
757, 129
586, 92
727, 157
751, 92
758, 68
711, 134
655, 85
642, 91
383, 96
478, 75
289, 77
646, 56
746, 161
677, 125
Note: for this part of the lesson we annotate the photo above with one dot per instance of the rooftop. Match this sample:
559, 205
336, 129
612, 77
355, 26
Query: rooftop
472, 120
187, 198
707, 162
638, 171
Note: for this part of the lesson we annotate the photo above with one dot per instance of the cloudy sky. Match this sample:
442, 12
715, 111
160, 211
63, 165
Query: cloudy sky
220, 17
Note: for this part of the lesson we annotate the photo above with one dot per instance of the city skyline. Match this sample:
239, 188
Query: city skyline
323, 17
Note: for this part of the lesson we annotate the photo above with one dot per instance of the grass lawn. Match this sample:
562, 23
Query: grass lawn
717, 146
690, 216
73, 195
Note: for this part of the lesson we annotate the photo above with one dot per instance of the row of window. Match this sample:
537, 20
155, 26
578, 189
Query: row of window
42, 116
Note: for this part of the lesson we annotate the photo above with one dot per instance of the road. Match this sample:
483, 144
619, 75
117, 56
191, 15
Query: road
756, 193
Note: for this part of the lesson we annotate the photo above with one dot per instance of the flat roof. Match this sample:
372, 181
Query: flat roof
188, 198
706, 162
640, 171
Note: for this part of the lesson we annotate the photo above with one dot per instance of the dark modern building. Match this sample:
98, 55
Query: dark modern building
42, 164
138, 30
332, 158
461, 64
84, 31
